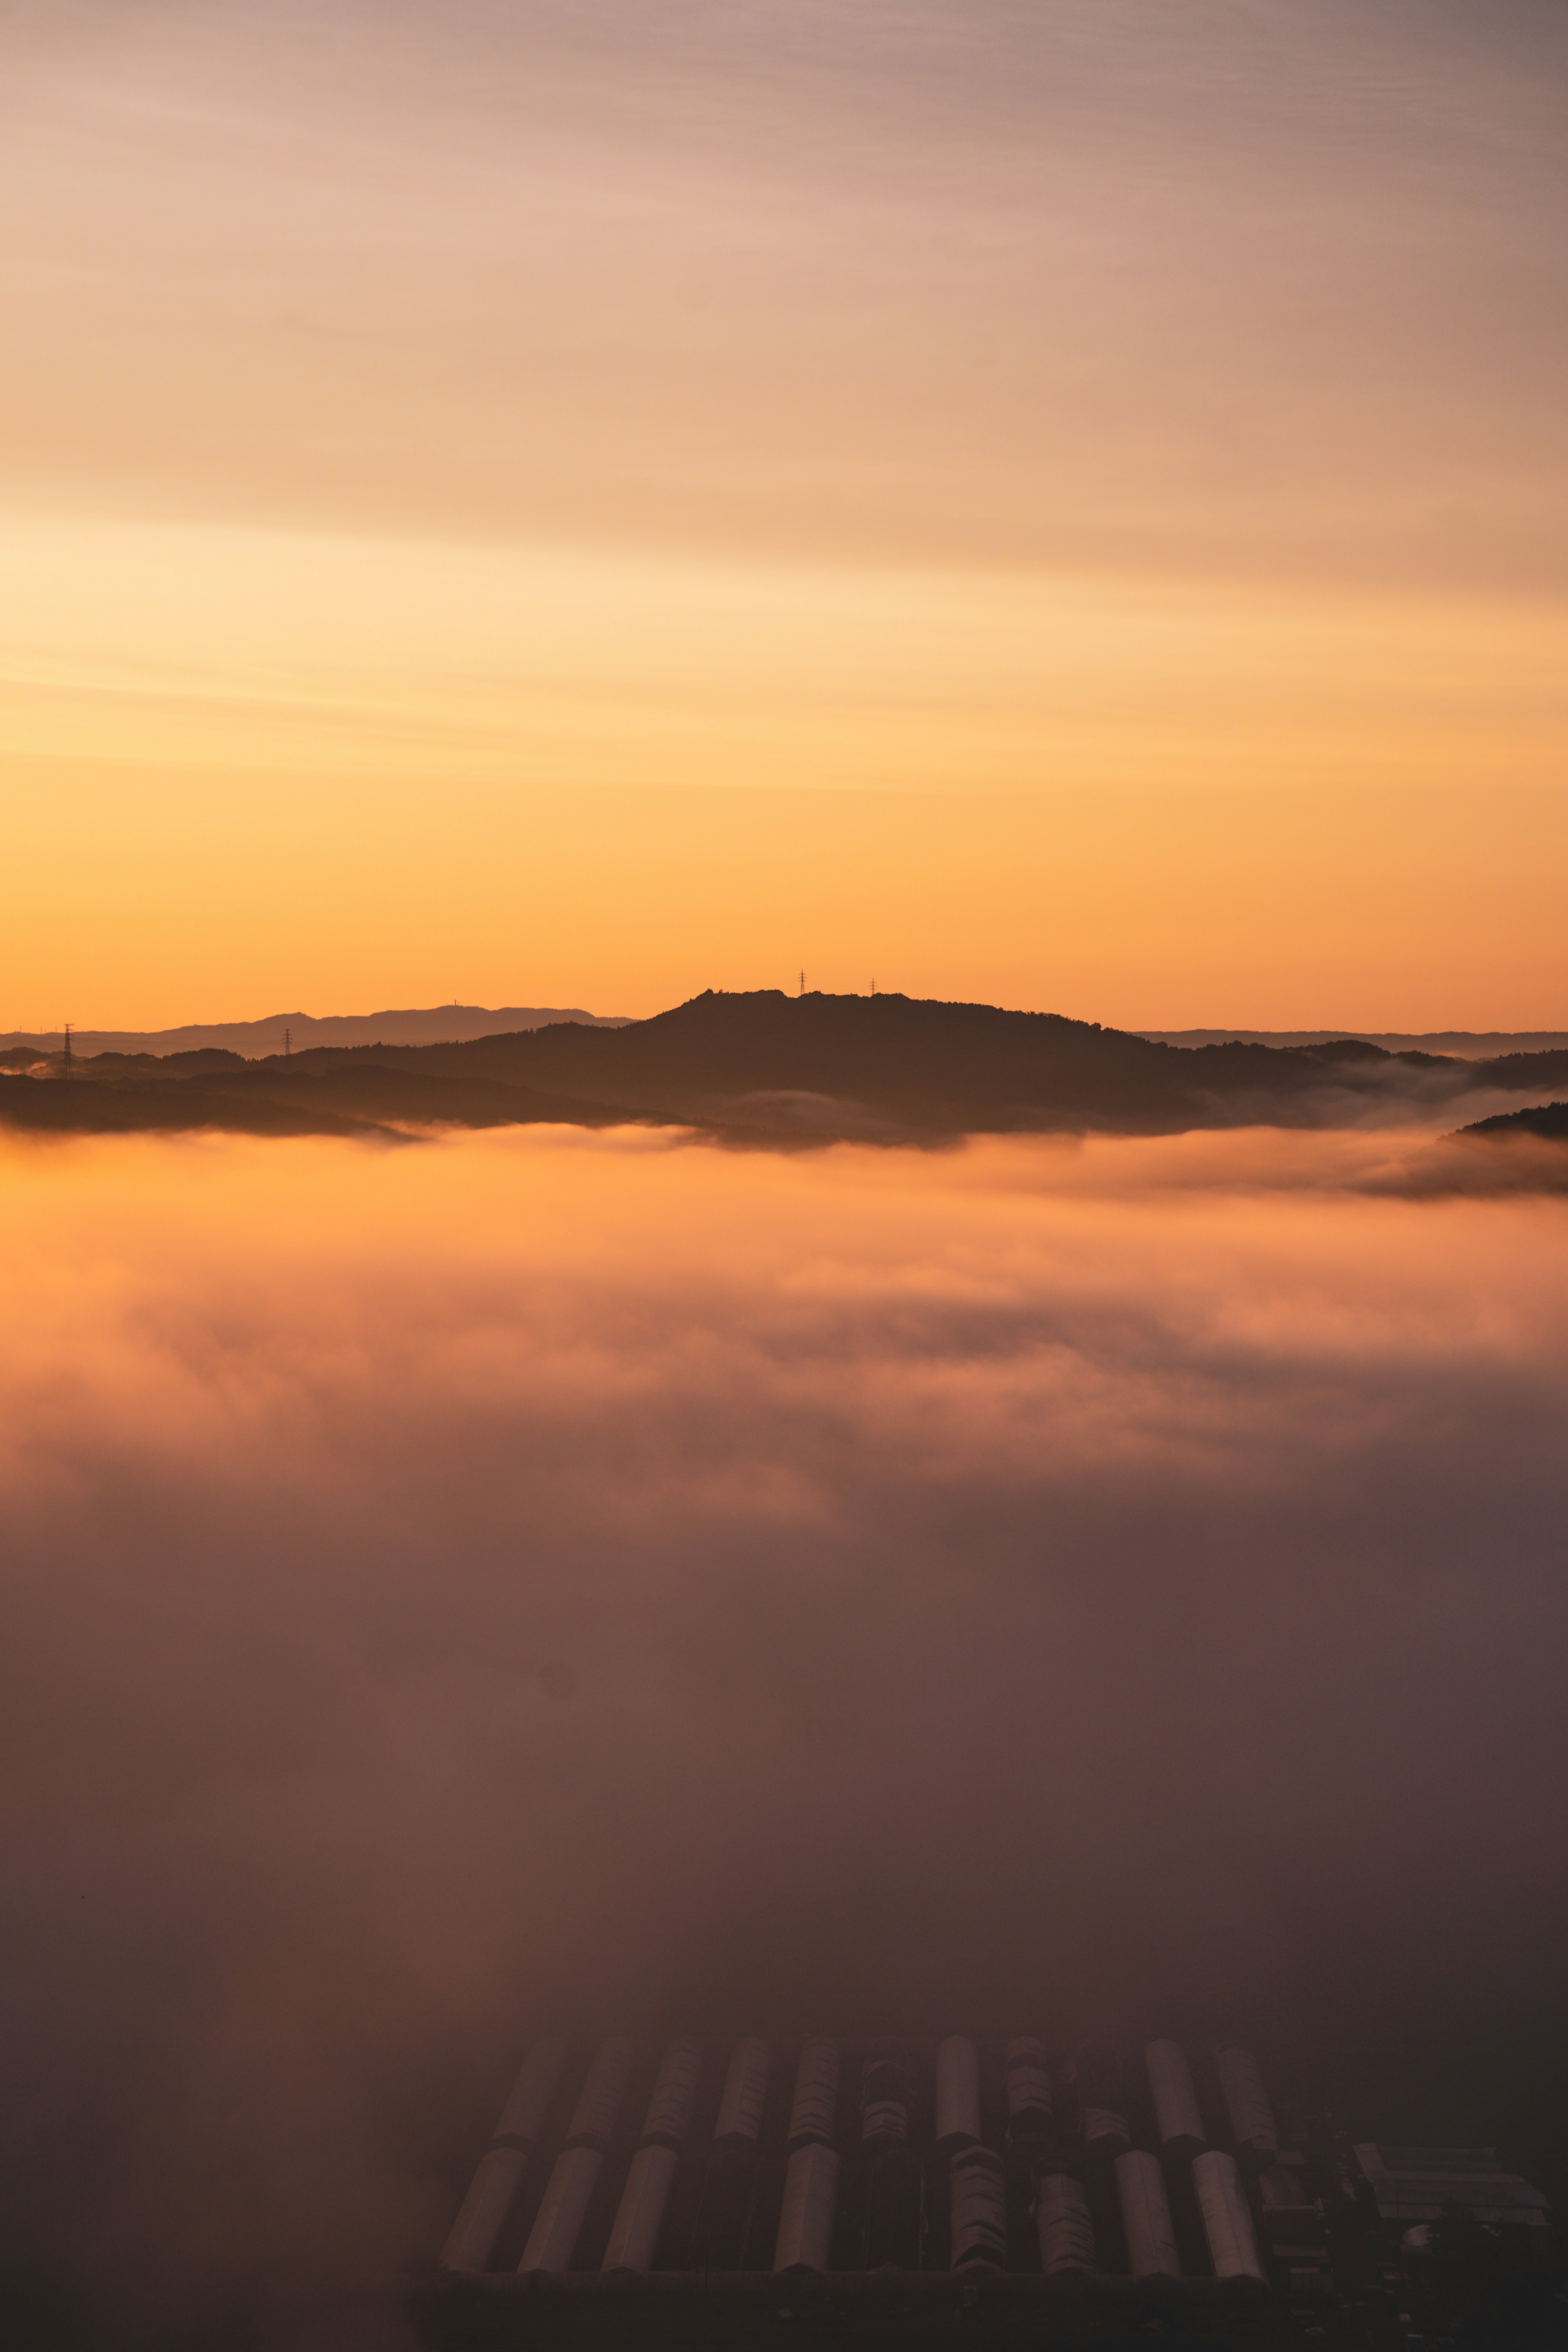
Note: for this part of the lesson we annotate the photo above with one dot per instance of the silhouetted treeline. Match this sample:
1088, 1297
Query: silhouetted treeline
1550, 1119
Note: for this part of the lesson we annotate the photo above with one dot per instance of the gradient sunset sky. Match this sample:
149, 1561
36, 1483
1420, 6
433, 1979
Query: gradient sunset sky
1063, 504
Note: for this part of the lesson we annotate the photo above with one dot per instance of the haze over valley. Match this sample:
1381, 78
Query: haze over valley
565, 1579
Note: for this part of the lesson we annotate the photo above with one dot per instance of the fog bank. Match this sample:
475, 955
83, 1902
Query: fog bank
548, 1578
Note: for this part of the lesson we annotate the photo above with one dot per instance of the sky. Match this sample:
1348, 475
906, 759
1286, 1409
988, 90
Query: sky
539, 503
545, 1579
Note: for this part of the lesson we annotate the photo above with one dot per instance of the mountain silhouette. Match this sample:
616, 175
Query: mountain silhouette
766, 1068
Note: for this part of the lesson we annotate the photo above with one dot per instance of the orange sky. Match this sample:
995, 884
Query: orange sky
578, 504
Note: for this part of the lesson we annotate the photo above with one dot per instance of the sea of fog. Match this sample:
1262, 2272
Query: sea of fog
546, 1579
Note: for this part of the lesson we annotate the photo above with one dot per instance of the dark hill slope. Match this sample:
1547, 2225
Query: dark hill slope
1548, 1120
770, 1061
769, 1067
261, 1099
938, 1067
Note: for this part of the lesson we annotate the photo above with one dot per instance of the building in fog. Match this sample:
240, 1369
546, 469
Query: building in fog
742, 2177
1415, 2184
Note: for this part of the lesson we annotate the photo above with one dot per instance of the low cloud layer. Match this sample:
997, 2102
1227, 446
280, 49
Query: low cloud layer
548, 1578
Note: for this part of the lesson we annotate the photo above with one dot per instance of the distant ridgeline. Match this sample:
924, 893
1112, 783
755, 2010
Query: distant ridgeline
1469, 1044
428, 1025
766, 1068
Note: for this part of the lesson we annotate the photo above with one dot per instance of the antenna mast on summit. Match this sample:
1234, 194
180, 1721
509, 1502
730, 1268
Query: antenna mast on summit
66, 1058
803, 983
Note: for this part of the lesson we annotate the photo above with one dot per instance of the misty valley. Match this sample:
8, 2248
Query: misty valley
576, 1583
